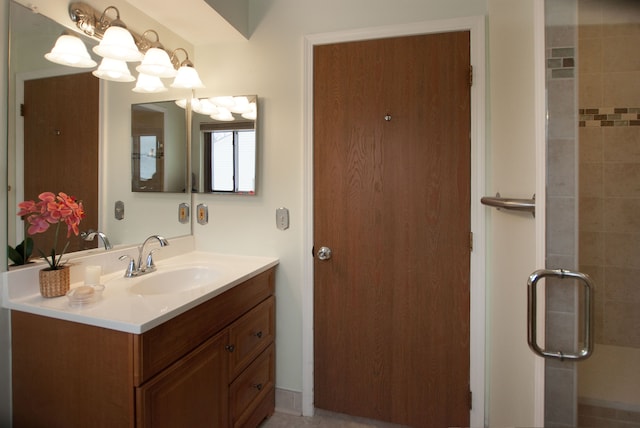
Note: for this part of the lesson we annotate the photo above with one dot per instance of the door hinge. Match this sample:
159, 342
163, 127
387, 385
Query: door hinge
471, 241
471, 75
470, 400
22, 110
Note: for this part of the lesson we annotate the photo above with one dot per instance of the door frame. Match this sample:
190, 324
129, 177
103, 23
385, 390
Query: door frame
476, 26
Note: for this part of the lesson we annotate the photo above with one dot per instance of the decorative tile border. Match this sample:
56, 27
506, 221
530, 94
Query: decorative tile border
609, 116
561, 62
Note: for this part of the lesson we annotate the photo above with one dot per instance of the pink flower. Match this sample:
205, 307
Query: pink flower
52, 209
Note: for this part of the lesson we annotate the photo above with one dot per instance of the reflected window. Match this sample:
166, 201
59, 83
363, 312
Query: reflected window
230, 156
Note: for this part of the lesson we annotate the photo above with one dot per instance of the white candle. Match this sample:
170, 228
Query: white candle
92, 275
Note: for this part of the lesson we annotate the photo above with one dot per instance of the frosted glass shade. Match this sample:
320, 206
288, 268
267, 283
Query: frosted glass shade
187, 78
149, 84
252, 114
114, 70
223, 115
70, 50
156, 62
117, 43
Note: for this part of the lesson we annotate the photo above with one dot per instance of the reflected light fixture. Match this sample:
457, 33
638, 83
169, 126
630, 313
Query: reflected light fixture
223, 114
117, 42
71, 51
114, 70
252, 114
187, 76
148, 84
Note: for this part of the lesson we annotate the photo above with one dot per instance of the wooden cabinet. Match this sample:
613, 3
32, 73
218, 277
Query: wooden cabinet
212, 366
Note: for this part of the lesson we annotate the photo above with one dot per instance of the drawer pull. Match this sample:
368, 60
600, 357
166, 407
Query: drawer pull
258, 335
257, 386
230, 348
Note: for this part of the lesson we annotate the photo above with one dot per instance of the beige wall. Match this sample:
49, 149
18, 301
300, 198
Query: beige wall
609, 130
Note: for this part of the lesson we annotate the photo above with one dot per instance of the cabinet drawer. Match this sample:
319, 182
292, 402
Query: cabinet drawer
252, 387
250, 335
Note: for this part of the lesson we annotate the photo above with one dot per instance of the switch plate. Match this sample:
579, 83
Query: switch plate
183, 213
282, 218
119, 210
202, 212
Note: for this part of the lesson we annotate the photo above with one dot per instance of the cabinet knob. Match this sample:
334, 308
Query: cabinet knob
230, 348
257, 386
258, 335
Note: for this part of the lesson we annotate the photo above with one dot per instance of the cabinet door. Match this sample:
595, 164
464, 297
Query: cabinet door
193, 392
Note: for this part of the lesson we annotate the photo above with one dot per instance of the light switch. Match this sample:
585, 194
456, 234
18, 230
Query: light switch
282, 218
183, 213
119, 210
202, 212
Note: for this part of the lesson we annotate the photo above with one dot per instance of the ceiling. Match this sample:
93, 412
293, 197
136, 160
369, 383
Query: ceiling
194, 20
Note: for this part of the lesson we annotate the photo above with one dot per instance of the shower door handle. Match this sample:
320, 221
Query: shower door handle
532, 330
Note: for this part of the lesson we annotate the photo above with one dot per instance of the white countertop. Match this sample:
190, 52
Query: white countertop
121, 309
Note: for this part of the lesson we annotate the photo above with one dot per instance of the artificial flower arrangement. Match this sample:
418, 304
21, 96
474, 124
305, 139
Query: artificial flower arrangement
51, 209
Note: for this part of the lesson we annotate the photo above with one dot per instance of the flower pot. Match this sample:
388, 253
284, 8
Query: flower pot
54, 283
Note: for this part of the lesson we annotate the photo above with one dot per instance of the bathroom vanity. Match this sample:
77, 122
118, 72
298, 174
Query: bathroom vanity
207, 363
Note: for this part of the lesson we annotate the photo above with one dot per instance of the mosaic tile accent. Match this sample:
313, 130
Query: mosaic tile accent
561, 62
609, 116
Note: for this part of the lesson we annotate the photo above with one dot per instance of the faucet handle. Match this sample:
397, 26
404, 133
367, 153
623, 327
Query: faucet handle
131, 266
150, 265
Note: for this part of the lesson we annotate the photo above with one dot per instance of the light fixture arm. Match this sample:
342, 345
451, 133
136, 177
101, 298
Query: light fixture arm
94, 23
176, 62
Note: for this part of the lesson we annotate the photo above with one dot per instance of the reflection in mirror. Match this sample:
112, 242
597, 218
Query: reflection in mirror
31, 35
158, 151
224, 145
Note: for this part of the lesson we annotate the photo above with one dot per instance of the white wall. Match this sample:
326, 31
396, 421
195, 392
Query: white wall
512, 237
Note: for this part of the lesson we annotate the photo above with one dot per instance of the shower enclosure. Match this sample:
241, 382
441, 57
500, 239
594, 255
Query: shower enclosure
593, 207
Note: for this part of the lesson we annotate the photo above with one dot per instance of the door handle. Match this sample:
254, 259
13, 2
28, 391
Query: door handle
324, 253
532, 329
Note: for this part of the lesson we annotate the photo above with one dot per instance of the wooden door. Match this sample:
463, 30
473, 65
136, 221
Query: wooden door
392, 202
61, 147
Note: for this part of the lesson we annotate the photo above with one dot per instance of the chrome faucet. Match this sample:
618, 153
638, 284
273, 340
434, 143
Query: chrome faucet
90, 235
137, 269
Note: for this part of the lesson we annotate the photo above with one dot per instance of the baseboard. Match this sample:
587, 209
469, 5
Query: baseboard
289, 402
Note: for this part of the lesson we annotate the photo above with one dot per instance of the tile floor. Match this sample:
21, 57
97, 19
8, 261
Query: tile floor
322, 419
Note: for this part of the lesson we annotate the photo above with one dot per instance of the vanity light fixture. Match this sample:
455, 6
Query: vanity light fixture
71, 51
187, 76
117, 42
156, 60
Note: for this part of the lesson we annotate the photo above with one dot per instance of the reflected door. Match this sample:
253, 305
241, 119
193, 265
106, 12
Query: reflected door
593, 201
61, 146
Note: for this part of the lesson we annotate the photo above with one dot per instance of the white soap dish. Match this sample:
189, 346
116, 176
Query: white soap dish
84, 295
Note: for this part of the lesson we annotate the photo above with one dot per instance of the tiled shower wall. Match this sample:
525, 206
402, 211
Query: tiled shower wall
609, 210
562, 206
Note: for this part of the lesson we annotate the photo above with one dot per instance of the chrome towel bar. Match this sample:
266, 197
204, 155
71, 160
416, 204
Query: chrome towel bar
528, 205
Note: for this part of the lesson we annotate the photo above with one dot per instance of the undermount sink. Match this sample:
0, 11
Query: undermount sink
174, 280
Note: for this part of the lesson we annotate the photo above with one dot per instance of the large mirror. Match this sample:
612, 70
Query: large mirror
100, 141
224, 144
